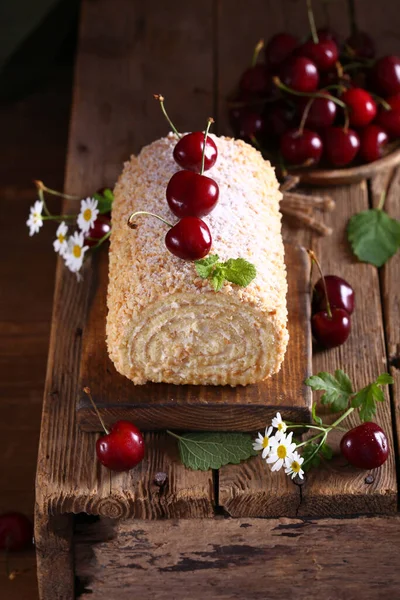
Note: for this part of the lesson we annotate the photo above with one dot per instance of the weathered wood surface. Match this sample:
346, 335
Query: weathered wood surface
205, 408
240, 558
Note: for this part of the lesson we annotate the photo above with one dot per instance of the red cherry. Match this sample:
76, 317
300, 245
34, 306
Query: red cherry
16, 531
386, 75
341, 145
279, 118
361, 105
324, 53
250, 125
298, 147
325, 34
331, 331
191, 195
361, 44
255, 81
373, 140
300, 74
322, 112
101, 227
189, 239
122, 448
365, 446
389, 120
188, 152
279, 48
340, 294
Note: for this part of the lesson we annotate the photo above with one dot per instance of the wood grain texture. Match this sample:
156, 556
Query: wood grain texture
162, 406
240, 558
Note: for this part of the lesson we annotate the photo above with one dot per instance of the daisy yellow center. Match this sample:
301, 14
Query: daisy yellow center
295, 466
87, 215
61, 238
281, 451
280, 426
77, 251
265, 442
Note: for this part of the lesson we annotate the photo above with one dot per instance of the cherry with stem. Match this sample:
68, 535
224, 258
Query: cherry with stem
161, 99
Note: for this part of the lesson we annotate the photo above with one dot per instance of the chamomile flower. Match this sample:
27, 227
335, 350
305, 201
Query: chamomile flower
88, 214
35, 220
282, 448
263, 442
75, 252
60, 243
278, 423
293, 465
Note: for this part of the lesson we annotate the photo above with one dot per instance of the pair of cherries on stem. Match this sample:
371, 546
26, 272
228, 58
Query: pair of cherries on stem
332, 305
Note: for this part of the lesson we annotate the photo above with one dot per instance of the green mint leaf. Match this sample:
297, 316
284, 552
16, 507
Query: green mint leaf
203, 451
384, 379
218, 278
204, 267
337, 388
374, 236
307, 453
365, 400
315, 417
326, 451
239, 271
104, 201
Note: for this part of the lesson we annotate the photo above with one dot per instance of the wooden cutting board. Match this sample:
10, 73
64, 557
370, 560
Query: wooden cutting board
156, 406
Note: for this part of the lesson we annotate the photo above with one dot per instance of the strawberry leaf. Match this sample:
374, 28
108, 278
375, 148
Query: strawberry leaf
374, 236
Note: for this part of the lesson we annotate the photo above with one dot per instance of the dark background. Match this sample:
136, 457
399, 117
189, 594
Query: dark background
37, 49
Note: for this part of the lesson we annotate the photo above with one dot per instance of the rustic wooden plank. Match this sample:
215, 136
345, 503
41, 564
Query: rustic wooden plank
382, 22
162, 406
124, 47
240, 558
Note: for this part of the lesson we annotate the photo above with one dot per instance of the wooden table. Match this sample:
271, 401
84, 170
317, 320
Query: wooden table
193, 53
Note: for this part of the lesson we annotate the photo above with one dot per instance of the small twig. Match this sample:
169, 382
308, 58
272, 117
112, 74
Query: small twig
309, 221
290, 182
325, 203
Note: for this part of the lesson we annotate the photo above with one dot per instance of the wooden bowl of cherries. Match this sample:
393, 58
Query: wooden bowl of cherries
326, 111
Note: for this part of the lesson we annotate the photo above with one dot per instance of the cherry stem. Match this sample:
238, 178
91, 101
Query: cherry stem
305, 115
259, 46
41, 187
346, 119
101, 240
315, 260
381, 201
311, 21
160, 98
89, 393
209, 123
381, 101
133, 225
286, 88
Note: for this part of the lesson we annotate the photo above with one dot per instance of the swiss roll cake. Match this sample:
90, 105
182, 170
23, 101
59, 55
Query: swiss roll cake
167, 324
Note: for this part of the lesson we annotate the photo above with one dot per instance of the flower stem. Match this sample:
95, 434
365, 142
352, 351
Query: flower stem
88, 393
259, 46
314, 259
160, 98
133, 225
209, 123
317, 449
40, 185
289, 90
311, 20
341, 418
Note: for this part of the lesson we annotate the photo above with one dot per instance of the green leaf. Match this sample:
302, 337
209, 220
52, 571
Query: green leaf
374, 236
326, 451
239, 271
384, 379
218, 278
337, 388
104, 200
315, 417
205, 266
203, 451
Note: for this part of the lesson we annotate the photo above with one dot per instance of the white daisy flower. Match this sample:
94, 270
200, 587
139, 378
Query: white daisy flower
293, 465
88, 214
75, 252
35, 220
60, 243
282, 448
278, 423
263, 442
